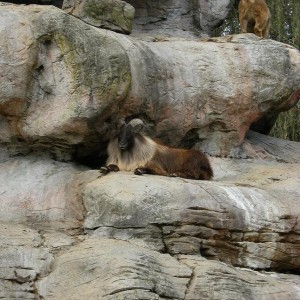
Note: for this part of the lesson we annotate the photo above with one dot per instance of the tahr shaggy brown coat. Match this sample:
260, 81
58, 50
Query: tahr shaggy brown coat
132, 151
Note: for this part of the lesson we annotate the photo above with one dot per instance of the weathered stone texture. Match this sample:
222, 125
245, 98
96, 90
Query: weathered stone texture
234, 222
113, 269
115, 15
73, 81
183, 18
108, 267
22, 260
64, 88
236, 283
209, 14
68, 232
38, 189
183, 93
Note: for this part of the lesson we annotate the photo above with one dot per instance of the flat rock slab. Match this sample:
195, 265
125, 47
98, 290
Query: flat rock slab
244, 219
112, 269
40, 190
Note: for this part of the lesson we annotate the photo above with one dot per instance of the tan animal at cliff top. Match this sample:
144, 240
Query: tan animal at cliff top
254, 17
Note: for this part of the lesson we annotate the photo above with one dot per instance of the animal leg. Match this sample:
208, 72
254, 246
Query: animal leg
258, 32
110, 168
199, 175
150, 170
141, 171
244, 25
261, 27
203, 175
186, 175
265, 32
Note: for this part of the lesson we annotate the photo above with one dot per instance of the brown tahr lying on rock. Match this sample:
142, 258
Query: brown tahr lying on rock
132, 151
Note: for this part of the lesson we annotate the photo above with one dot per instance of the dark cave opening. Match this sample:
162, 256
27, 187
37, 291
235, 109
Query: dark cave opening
93, 159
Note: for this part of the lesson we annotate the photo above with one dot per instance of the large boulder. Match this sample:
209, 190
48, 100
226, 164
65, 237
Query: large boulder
110, 269
210, 14
66, 83
58, 82
38, 189
47, 264
103, 268
115, 15
228, 219
204, 99
183, 18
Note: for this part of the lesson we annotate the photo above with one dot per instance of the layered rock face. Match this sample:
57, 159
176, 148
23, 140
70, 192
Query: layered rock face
69, 232
115, 15
67, 83
185, 18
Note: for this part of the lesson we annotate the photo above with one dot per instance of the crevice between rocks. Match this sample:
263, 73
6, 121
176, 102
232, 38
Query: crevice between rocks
191, 283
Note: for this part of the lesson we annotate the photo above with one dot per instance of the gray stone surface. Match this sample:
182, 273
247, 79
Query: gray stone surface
73, 81
68, 233
243, 219
203, 91
55, 77
210, 14
180, 18
22, 260
237, 283
110, 269
114, 15
37, 189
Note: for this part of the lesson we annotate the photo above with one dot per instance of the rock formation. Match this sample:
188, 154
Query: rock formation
185, 18
69, 232
68, 82
115, 15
